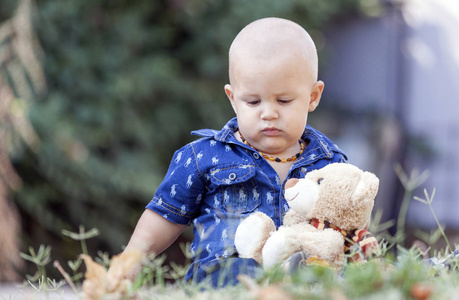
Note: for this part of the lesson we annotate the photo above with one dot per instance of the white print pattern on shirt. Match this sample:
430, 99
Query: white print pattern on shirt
207, 210
165, 216
217, 220
214, 160
269, 198
173, 192
226, 197
256, 196
216, 201
242, 196
278, 180
198, 199
189, 183
224, 234
199, 155
213, 143
179, 156
183, 210
203, 232
225, 255
188, 162
160, 201
208, 249
227, 148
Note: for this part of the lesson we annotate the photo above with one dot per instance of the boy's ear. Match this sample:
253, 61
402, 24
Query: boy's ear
229, 92
316, 93
230, 95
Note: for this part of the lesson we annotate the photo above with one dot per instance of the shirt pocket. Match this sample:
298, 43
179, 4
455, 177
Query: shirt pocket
236, 187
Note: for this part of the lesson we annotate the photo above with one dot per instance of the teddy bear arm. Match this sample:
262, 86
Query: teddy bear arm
327, 244
281, 245
251, 235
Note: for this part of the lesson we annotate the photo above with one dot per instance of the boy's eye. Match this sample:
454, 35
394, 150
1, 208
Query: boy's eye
284, 101
253, 102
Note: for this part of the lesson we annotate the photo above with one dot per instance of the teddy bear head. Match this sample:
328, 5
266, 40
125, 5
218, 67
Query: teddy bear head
339, 193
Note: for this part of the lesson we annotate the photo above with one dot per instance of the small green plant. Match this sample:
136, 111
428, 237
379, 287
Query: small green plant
82, 236
428, 200
39, 281
410, 182
396, 273
41, 258
155, 273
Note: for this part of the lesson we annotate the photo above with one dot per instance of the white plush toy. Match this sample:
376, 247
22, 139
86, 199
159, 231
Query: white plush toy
329, 214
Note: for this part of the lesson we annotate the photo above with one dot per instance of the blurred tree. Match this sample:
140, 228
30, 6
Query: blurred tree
127, 82
21, 76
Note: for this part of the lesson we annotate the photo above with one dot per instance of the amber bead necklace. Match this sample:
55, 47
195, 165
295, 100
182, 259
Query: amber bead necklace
277, 159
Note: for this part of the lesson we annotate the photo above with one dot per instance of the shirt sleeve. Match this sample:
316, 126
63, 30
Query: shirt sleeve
178, 197
339, 157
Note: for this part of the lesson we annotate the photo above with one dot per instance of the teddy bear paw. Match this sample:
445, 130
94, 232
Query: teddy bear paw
251, 235
275, 248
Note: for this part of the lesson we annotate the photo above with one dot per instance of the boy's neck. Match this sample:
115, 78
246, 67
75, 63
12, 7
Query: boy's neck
281, 168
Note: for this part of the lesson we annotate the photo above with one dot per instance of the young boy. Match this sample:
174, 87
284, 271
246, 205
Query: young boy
218, 180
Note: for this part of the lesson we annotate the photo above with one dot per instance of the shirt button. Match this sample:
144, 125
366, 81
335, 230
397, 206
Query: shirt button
256, 155
232, 176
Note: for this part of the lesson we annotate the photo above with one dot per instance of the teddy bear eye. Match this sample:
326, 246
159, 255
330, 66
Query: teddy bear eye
320, 180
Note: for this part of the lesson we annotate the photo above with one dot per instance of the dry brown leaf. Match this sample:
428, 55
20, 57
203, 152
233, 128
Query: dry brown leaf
421, 291
95, 276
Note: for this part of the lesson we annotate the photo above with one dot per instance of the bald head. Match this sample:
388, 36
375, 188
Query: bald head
272, 39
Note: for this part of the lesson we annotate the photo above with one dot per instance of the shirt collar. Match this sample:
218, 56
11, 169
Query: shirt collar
321, 141
226, 134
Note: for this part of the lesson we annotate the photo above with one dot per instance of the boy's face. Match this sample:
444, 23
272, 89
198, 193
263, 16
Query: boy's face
271, 100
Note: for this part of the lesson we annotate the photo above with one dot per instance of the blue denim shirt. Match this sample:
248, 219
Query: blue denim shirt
216, 181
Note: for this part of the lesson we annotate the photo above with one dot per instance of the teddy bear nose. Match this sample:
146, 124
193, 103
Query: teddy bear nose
291, 182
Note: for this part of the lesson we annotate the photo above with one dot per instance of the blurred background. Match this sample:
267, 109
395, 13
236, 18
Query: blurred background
96, 95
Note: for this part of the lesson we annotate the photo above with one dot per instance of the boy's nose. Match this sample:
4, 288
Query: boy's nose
269, 112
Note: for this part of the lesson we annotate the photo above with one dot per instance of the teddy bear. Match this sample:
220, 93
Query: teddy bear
330, 210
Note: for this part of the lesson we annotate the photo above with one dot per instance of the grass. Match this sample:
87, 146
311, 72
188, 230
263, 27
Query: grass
399, 273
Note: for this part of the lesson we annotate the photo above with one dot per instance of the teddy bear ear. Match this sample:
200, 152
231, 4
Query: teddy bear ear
367, 188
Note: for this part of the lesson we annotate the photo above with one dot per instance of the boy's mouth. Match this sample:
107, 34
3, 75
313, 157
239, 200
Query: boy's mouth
271, 131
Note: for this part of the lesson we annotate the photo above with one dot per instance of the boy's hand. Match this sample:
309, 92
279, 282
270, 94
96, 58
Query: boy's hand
124, 266
116, 281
